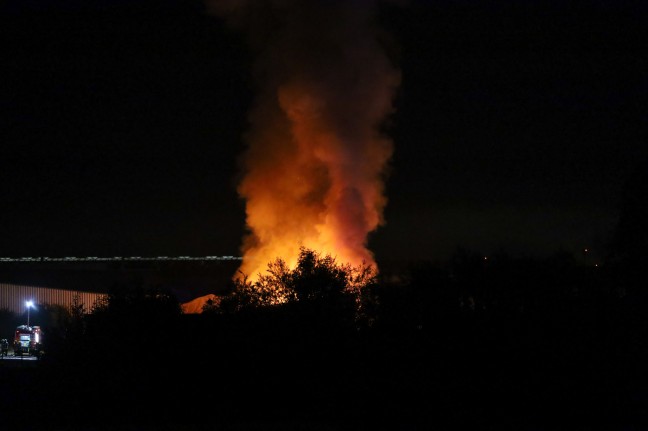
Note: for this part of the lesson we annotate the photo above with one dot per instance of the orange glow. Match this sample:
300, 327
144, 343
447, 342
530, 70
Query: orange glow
314, 192
316, 160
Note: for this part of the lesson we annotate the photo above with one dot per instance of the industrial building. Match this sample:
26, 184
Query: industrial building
57, 281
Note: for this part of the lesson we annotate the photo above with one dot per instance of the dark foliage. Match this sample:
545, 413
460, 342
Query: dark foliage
318, 285
497, 343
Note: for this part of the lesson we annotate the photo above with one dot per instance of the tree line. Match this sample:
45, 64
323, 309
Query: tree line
500, 339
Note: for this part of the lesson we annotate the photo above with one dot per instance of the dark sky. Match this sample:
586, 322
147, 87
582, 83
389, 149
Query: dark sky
516, 125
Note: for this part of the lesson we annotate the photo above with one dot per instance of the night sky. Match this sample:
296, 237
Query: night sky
121, 122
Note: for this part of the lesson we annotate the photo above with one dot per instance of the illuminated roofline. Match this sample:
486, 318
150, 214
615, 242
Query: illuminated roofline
117, 259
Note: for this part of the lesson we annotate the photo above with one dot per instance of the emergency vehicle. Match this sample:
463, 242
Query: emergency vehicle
28, 341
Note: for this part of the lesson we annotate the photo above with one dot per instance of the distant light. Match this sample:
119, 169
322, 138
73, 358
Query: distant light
29, 304
485, 257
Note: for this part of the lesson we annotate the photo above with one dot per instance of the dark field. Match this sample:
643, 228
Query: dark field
498, 346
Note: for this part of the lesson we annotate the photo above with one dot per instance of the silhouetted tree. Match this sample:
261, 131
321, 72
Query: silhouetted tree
131, 318
317, 280
77, 312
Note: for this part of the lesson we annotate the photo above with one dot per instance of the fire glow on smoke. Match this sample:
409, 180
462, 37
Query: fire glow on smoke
315, 163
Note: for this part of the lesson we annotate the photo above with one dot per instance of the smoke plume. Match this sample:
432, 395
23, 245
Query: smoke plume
316, 159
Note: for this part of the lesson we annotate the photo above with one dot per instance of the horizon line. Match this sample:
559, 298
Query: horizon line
115, 258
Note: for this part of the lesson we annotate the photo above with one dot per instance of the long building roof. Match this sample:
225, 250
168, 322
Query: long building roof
187, 277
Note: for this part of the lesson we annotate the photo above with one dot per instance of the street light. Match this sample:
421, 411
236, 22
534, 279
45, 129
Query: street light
29, 305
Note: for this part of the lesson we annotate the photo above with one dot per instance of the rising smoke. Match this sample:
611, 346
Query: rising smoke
316, 159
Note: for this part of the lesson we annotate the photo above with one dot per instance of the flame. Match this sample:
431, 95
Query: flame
315, 163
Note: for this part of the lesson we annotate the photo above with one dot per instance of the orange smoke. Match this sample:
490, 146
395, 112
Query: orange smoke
315, 163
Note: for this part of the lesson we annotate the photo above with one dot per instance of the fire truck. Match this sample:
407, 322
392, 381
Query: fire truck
28, 341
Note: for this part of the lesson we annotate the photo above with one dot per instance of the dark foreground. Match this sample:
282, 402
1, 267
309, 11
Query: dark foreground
503, 345
577, 370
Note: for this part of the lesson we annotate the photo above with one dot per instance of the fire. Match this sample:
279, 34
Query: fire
315, 163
